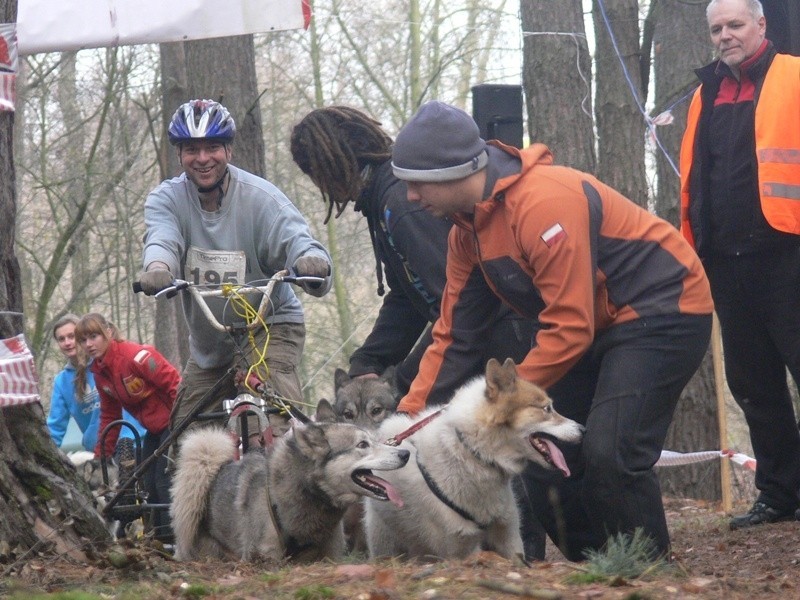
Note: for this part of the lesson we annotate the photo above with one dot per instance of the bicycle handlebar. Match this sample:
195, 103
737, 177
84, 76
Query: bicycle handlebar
200, 292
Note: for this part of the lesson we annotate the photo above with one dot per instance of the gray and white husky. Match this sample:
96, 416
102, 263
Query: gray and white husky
456, 486
286, 503
366, 402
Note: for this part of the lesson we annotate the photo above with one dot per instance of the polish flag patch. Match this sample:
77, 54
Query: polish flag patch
553, 235
141, 356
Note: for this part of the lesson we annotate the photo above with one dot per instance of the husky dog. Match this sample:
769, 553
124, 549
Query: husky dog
365, 402
456, 487
91, 471
286, 503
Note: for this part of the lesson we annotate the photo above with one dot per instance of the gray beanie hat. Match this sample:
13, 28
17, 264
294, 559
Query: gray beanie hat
439, 143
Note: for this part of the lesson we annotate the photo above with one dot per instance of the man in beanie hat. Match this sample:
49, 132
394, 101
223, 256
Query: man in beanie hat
347, 155
623, 302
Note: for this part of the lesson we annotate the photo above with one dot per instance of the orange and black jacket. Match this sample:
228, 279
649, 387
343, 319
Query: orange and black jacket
750, 200
139, 379
557, 244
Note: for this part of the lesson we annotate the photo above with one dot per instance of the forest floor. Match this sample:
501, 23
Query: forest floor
708, 561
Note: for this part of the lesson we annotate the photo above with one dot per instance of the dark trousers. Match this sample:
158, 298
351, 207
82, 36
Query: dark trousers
757, 298
624, 390
157, 481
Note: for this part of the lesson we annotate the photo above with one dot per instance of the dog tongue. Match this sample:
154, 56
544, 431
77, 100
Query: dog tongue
556, 456
391, 492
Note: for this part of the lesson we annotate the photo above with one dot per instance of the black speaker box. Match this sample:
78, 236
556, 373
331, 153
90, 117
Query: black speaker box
497, 109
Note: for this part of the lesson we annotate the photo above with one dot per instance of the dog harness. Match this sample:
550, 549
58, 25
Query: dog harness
289, 544
436, 490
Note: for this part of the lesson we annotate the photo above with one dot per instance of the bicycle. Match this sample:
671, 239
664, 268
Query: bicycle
256, 397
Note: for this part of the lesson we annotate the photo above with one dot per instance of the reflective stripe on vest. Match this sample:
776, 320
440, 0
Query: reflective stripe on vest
778, 144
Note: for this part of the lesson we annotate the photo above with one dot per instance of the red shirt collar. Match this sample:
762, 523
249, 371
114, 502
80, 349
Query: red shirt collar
752, 60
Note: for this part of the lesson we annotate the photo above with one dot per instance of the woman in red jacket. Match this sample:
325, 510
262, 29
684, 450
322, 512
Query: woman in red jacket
140, 380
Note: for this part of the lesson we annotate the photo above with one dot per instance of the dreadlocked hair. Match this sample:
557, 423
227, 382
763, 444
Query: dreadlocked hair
332, 145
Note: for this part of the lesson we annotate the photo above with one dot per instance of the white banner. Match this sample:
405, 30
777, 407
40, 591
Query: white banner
19, 383
59, 25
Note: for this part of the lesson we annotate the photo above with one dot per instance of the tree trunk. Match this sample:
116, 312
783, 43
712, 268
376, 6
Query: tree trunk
172, 334
557, 75
234, 85
224, 69
340, 291
620, 124
681, 44
69, 105
694, 428
42, 502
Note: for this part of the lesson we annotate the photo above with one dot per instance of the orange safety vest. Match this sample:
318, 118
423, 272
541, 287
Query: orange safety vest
777, 128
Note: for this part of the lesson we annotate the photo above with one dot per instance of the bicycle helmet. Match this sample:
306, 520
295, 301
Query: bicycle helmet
201, 119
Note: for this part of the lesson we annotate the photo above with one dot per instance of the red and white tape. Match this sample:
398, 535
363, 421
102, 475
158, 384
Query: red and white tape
19, 383
673, 459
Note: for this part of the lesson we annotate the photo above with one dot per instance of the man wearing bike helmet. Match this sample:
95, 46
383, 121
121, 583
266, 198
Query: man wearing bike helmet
216, 223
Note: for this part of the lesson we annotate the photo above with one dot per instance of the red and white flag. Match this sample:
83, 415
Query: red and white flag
8, 66
553, 235
19, 383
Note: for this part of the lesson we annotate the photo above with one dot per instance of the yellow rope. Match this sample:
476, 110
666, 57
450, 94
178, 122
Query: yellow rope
259, 367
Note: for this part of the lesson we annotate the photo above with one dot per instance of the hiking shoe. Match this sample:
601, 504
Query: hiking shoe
759, 515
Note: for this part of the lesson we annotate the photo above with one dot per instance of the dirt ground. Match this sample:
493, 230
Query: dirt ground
709, 561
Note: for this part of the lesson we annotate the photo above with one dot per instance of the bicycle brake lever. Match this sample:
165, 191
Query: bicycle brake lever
293, 277
172, 291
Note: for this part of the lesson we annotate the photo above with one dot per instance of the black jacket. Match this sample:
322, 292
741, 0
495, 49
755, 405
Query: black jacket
411, 245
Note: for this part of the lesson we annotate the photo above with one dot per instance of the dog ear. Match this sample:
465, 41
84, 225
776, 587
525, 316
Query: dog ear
388, 374
325, 412
312, 441
340, 378
499, 378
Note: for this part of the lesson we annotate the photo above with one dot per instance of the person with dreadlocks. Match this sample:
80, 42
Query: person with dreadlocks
347, 155
216, 223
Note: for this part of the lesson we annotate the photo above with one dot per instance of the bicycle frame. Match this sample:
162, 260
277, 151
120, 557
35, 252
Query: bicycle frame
234, 409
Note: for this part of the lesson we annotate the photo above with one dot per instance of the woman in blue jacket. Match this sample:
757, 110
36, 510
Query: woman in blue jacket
74, 393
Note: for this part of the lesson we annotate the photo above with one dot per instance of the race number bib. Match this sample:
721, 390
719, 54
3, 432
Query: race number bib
215, 266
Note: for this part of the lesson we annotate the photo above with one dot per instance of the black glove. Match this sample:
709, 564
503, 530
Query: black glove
154, 281
313, 266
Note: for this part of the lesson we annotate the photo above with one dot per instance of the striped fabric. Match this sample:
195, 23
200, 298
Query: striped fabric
19, 383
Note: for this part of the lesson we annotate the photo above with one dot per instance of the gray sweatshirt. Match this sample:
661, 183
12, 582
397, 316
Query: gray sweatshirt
256, 232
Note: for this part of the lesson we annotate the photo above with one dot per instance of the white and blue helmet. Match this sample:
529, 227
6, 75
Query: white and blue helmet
201, 120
